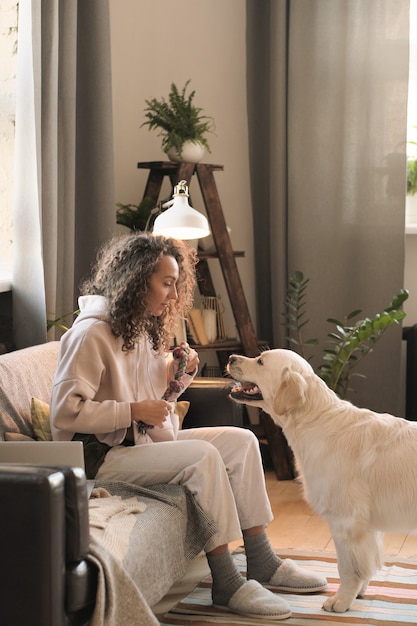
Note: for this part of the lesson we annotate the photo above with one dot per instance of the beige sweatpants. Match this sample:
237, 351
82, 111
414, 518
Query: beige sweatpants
221, 466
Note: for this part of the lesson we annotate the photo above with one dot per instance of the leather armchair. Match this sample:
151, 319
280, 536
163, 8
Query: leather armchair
45, 578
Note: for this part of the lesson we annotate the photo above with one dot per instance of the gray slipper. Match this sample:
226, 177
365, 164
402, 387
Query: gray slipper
253, 600
291, 577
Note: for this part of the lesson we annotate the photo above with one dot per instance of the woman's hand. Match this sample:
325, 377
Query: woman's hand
192, 358
151, 412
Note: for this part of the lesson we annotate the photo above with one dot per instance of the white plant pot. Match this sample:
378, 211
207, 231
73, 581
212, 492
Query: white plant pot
191, 152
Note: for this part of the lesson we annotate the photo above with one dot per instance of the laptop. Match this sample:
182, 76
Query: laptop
66, 453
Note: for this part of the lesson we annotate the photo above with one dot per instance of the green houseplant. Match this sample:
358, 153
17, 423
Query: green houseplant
178, 120
349, 341
412, 172
136, 216
411, 176
62, 322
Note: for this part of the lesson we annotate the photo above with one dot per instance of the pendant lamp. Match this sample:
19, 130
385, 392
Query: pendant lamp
180, 220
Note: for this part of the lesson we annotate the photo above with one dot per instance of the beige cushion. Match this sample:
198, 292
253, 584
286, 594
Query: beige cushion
17, 437
181, 410
39, 411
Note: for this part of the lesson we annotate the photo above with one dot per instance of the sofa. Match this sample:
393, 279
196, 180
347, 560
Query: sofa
69, 559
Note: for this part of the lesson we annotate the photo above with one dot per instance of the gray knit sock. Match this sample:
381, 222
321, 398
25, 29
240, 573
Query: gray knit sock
262, 562
226, 578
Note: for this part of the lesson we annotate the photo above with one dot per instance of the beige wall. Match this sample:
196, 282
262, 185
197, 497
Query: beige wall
155, 43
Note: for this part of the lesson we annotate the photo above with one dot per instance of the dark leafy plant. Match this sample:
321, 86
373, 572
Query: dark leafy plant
178, 119
135, 216
295, 313
350, 341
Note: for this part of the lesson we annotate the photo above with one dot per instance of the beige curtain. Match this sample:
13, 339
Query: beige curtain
64, 189
327, 98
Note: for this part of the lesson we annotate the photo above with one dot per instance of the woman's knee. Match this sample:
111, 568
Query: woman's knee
245, 437
195, 452
206, 450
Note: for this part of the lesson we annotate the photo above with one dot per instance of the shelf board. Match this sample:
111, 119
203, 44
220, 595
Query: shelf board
202, 254
227, 345
170, 166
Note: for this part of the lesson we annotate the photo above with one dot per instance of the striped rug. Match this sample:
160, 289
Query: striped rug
391, 598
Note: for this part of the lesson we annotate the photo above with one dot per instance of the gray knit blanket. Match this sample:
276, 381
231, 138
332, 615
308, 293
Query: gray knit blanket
142, 540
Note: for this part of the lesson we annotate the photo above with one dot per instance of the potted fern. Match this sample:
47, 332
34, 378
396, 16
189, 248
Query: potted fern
181, 124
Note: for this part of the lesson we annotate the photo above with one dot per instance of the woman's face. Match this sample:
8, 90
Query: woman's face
162, 286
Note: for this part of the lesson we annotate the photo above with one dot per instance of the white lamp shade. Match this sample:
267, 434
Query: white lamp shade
181, 221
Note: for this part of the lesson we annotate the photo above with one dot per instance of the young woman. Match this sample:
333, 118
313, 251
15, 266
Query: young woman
113, 389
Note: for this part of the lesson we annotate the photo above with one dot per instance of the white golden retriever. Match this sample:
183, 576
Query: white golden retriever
358, 468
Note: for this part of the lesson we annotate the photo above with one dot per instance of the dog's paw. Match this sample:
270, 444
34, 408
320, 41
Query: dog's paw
336, 604
362, 590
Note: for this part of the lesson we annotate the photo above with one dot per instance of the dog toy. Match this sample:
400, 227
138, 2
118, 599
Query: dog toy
175, 386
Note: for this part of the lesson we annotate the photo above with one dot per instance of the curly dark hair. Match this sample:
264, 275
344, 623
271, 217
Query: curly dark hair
122, 274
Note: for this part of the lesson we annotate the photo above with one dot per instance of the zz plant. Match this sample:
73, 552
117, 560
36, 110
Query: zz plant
350, 341
295, 314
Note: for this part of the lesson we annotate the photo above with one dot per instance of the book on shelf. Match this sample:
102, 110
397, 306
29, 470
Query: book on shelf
191, 334
181, 332
196, 325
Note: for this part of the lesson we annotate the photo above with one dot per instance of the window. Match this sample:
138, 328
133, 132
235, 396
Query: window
8, 62
412, 88
411, 200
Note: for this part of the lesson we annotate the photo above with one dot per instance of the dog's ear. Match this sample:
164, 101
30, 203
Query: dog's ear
291, 393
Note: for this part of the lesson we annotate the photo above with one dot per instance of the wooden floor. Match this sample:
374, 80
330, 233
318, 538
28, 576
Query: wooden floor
296, 527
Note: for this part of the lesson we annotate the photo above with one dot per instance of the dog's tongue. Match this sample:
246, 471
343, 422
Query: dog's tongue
246, 390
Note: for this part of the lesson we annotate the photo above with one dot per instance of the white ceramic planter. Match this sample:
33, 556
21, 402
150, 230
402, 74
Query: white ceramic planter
191, 153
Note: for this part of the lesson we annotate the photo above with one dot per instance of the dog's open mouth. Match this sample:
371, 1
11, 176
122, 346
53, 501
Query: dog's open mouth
246, 391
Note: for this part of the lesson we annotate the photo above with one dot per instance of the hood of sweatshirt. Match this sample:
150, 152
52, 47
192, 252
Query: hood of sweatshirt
94, 307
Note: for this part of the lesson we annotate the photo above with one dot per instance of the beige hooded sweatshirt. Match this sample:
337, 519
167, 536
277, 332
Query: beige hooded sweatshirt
96, 381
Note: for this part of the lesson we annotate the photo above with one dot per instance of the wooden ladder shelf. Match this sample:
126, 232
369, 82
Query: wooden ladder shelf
224, 252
